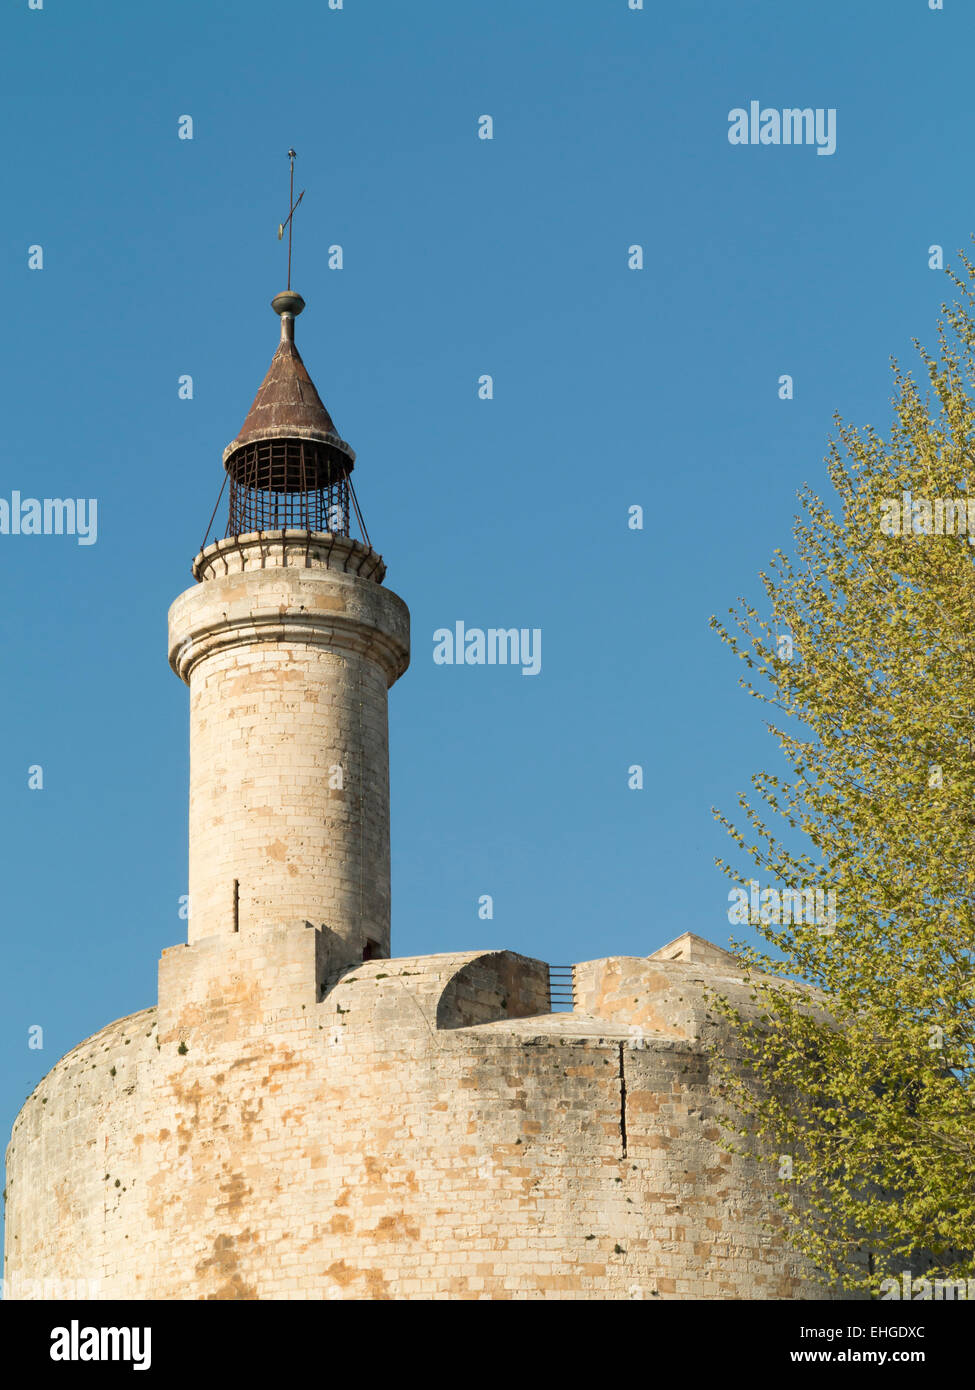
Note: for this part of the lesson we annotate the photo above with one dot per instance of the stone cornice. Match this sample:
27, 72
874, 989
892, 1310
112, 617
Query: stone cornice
287, 605
288, 550
336, 632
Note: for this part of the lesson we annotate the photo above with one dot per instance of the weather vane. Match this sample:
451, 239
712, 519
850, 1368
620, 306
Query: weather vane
292, 155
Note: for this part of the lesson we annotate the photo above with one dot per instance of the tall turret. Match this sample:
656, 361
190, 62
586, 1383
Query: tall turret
289, 643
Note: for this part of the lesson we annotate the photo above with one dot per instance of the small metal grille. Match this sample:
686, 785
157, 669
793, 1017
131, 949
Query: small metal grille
288, 484
561, 987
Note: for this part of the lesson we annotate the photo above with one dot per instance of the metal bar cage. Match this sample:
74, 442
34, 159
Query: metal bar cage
287, 484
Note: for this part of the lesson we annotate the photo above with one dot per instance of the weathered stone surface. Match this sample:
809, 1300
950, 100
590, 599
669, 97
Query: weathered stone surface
411, 1134
289, 653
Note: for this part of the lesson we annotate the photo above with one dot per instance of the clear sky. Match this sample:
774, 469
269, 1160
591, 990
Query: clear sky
462, 257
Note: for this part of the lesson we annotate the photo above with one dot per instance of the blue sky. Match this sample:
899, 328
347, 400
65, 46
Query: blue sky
462, 256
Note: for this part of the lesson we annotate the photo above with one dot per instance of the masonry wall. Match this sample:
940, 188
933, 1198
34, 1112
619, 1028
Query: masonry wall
412, 1128
289, 653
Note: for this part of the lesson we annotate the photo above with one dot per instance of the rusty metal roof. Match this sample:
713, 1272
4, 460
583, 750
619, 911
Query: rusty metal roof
287, 405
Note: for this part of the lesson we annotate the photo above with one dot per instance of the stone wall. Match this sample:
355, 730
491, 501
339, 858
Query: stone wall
412, 1128
289, 652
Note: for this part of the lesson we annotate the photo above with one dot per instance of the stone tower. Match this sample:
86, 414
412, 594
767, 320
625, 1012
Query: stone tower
289, 643
303, 1117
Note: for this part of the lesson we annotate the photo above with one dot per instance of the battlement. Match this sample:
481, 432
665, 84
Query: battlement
229, 985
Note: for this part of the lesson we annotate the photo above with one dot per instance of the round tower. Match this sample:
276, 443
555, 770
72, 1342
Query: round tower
289, 643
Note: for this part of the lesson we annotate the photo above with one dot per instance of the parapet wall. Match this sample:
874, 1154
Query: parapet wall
424, 1129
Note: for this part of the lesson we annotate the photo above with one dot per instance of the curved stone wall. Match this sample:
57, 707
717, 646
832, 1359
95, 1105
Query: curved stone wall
409, 1128
288, 663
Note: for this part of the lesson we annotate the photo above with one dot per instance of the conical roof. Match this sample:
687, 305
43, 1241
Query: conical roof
287, 405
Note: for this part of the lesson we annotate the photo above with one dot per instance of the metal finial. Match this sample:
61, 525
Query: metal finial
292, 205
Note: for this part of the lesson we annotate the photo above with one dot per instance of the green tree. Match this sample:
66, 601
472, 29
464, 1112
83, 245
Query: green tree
866, 1102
